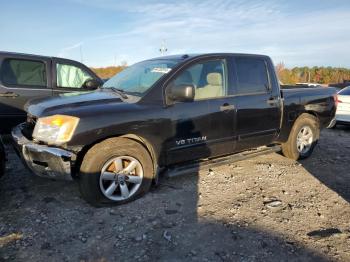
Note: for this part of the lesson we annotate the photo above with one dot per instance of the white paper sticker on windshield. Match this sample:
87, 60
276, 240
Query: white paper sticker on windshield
161, 70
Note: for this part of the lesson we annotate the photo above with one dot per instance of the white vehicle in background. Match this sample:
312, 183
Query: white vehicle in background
342, 115
308, 84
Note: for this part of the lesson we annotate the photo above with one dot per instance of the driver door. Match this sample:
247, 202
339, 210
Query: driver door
204, 127
70, 76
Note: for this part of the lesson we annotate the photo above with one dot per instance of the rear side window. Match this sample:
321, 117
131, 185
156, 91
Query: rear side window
251, 75
20, 72
345, 91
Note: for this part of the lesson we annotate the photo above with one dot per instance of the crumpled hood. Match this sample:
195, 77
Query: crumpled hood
69, 102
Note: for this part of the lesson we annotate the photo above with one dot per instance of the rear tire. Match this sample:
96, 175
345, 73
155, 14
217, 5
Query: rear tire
115, 171
302, 138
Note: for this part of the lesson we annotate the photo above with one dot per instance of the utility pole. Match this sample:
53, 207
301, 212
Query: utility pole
163, 48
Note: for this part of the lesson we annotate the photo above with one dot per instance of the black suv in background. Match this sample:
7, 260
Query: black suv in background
23, 77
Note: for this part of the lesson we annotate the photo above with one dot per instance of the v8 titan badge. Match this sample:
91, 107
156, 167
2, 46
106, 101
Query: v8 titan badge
189, 141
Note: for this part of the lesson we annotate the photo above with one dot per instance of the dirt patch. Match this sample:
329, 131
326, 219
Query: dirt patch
267, 208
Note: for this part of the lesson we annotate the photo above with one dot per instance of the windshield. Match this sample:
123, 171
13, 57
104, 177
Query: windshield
138, 78
345, 91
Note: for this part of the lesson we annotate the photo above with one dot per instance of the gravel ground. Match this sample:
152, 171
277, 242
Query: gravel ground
266, 208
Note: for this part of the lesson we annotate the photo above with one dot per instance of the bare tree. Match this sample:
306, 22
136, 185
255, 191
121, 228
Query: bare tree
280, 67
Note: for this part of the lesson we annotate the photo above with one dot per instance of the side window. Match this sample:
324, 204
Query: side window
70, 76
208, 78
251, 75
20, 72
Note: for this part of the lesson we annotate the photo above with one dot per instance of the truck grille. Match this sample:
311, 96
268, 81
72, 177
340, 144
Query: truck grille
31, 119
28, 127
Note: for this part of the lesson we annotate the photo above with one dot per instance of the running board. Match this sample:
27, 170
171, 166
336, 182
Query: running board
195, 167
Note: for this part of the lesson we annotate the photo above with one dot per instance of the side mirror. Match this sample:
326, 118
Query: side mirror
181, 93
91, 84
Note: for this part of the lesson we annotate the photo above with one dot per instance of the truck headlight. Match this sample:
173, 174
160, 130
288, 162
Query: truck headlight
56, 129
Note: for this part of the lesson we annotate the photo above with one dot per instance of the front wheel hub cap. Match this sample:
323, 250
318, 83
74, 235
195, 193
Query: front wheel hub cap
121, 177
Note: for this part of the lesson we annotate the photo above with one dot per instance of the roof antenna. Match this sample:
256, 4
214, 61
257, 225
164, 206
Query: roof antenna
163, 49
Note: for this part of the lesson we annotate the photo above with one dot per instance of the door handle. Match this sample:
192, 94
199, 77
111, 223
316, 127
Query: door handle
226, 107
272, 101
8, 94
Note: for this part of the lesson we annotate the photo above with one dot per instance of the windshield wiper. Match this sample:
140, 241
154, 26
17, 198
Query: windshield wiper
121, 92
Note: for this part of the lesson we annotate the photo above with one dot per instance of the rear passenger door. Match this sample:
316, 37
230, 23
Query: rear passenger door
21, 78
257, 102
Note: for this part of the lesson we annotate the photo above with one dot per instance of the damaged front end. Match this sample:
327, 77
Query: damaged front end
45, 161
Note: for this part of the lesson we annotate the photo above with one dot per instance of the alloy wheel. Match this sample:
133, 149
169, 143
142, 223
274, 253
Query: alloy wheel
305, 139
121, 177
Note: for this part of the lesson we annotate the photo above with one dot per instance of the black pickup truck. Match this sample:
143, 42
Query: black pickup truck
24, 77
169, 114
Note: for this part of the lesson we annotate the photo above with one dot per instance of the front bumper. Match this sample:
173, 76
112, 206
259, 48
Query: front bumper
44, 161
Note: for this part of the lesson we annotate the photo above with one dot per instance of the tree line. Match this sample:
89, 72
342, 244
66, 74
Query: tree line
321, 75
108, 72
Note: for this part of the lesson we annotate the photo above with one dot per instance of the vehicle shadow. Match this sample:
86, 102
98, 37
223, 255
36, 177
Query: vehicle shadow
330, 160
168, 224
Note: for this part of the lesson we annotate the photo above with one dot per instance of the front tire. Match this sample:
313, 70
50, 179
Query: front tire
115, 171
302, 138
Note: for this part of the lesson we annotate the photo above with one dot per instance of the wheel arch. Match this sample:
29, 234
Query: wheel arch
139, 139
289, 122
145, 143
289, 146
307, 114
313, 113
